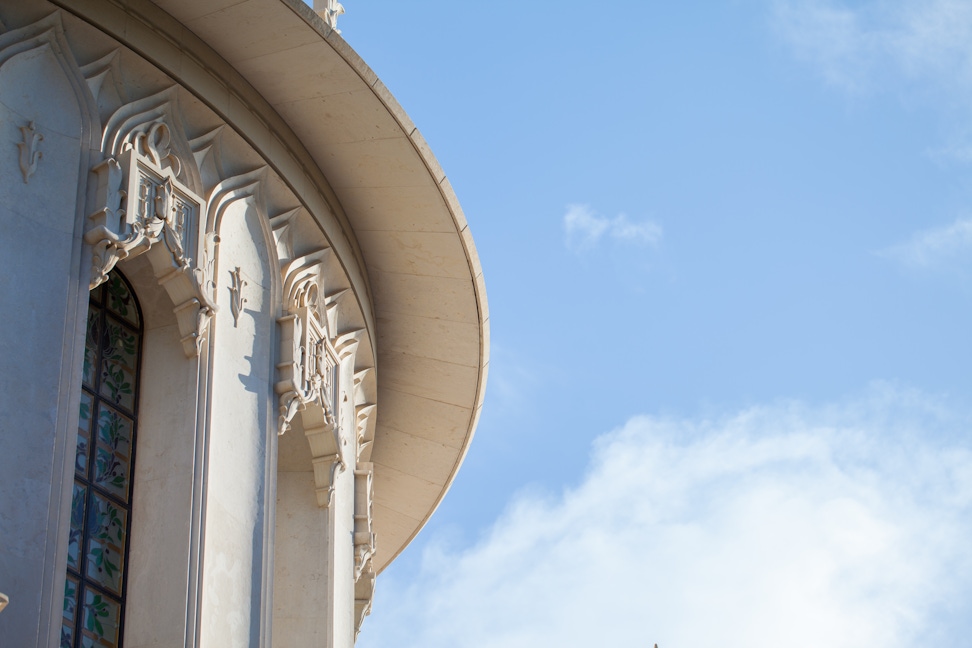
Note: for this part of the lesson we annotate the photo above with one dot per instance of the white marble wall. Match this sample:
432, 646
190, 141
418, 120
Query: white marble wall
301, 566
206, 483
41, 342
241, 427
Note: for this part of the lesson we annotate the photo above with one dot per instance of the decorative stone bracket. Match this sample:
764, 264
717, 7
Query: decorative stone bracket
308, 375
364, 538
307, 369
308, 372
142, 208
364, 413
364, 543
364, 595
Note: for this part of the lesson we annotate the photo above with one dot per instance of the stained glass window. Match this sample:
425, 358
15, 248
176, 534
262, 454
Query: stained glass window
94, 593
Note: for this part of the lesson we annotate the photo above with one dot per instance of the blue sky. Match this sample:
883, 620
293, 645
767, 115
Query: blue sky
727, 255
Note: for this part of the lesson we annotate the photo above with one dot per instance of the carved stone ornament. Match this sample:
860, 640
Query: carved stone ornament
144, 209
236, 293
364, 595
364, 543
29, 155
364, 538
308, 371
307, 368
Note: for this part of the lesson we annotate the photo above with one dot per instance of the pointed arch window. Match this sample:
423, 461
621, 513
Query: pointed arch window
94, 592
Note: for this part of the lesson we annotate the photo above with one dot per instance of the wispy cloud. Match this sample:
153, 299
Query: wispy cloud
854, 44
584, 228
513, 378
934, 248
827, 35
841, 526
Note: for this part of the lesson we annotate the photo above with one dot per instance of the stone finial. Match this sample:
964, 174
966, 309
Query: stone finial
329, 10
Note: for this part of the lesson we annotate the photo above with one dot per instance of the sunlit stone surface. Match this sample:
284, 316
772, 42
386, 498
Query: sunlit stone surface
311, 317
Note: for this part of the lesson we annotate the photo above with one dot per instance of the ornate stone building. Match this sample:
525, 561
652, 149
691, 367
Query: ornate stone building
245, 332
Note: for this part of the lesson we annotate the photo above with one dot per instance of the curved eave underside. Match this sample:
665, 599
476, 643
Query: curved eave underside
426, 283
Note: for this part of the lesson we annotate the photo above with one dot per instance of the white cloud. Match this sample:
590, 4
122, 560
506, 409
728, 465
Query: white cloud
585, 228
852, 44
843, 526
935, 247
828, 36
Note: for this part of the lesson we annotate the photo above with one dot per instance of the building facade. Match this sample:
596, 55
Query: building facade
245, 336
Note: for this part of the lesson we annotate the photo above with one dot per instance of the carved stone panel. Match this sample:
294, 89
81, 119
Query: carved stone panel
308, 371
143, 208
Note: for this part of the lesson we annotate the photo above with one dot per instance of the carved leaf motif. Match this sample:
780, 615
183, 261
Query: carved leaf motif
29, 155
236, 294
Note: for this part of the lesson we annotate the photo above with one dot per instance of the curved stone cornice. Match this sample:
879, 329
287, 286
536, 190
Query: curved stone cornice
327, 125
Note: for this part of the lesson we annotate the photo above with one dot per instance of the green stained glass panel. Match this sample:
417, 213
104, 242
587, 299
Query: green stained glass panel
118, 364
91, 347
84, 435
100, 619
78, 500
106, 540
113, 452
70, 600
119, 300
67, 635
70, 612
93, 596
